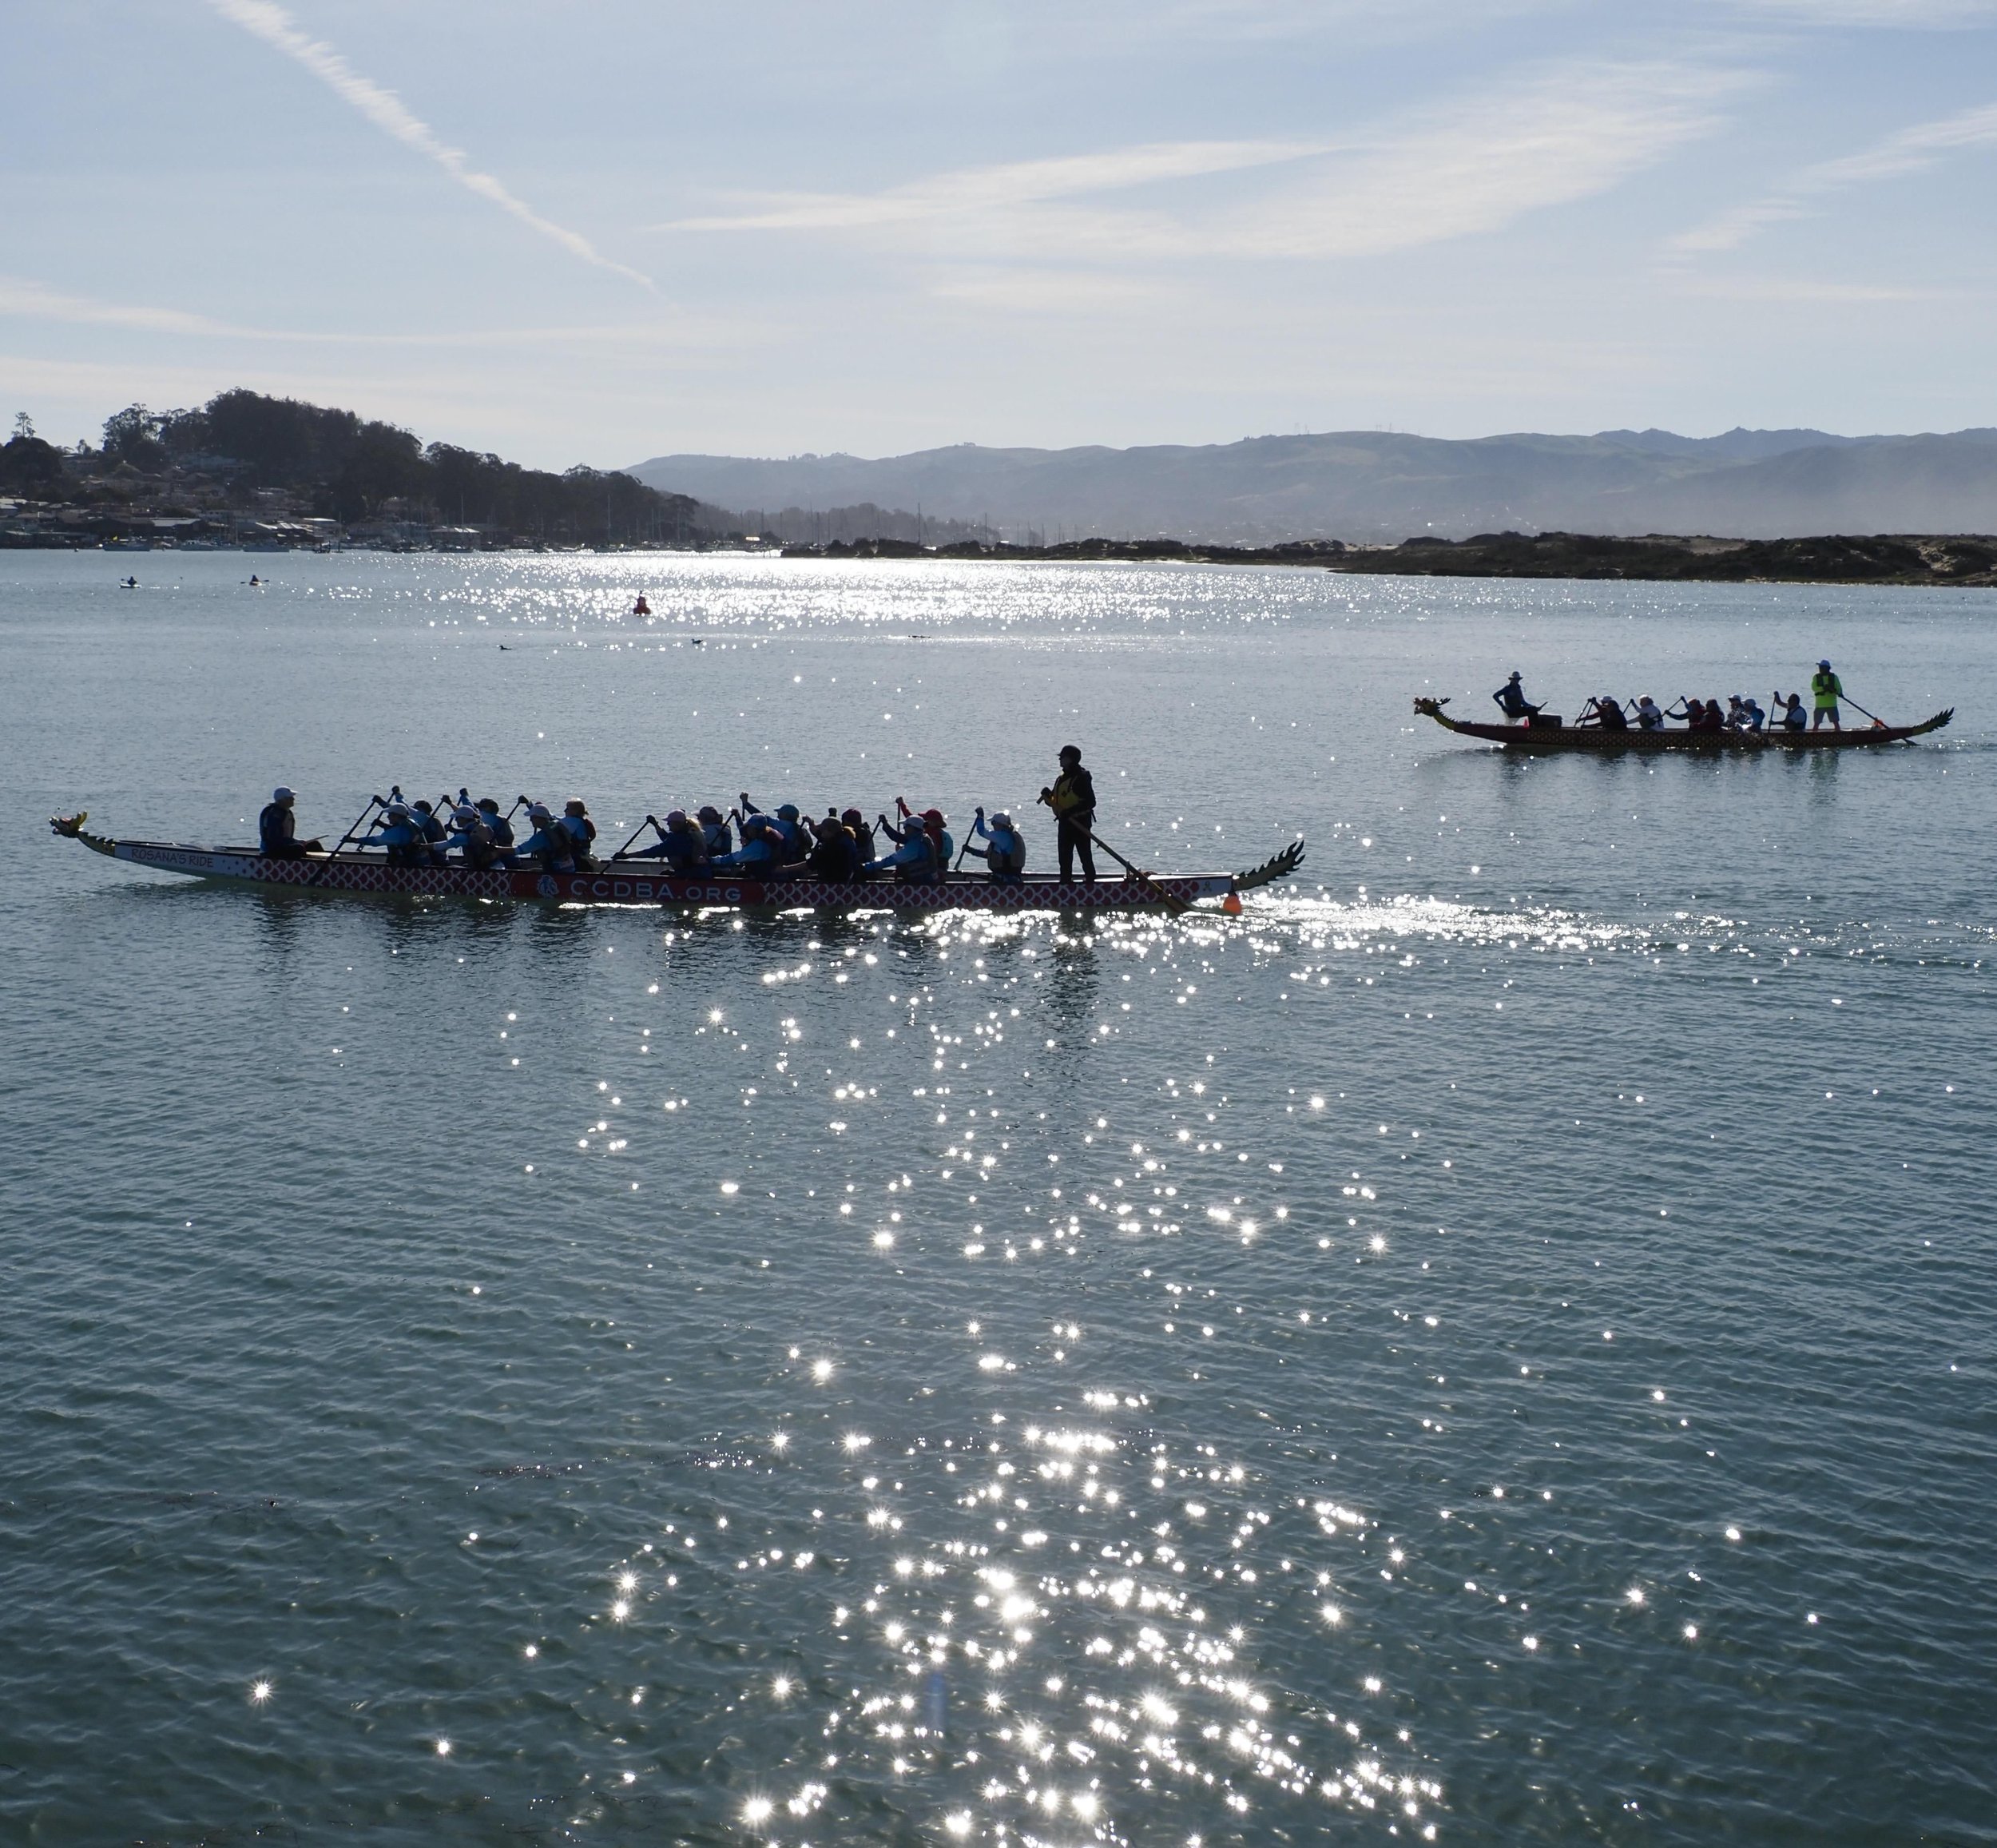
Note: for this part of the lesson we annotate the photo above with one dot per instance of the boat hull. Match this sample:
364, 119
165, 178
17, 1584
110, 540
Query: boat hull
1536, 741
633, 883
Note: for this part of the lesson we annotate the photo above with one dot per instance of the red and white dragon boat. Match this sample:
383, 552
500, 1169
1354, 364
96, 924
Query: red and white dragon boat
636, 881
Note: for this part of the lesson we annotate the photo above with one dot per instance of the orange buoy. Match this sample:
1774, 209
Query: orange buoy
1232, 904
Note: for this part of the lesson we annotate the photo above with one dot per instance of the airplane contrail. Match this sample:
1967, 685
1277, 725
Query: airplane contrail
270, 22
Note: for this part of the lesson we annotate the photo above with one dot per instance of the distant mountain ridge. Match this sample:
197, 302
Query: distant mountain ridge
1375, 486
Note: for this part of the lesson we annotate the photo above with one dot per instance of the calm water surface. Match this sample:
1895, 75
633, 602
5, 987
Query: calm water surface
1495, 1346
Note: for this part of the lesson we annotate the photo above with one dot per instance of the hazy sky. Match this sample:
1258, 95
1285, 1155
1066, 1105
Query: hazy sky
598, 230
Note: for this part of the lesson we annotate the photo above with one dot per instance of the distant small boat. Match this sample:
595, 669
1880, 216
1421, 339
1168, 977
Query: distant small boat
1533, 739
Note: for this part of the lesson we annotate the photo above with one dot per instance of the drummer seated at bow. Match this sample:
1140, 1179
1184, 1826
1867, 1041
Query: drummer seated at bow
1005, 855
277, 829
1512, 702
1604, 710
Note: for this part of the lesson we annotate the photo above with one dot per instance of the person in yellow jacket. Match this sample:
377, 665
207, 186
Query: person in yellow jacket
1827, 688
1072, 797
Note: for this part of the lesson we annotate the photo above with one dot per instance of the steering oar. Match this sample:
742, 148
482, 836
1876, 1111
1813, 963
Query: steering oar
1178, 907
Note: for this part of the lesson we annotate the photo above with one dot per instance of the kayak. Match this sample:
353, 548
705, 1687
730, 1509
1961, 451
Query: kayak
633, 881
1536, 738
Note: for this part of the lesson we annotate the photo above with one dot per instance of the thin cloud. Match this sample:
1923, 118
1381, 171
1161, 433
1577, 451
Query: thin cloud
1901, 13
1911, 150
21, 299
1570, 133
265, 19
983, 189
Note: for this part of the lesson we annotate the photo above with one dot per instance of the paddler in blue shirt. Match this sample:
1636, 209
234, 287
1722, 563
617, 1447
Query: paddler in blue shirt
499, 828
1006, 855
433, 832
401, 835
758, 853
714, 831
277, 829
680, 844
470, 836
549, 843
575, 822
914, 860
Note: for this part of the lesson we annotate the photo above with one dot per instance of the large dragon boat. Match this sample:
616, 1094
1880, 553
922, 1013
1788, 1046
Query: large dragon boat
636, 881
1539, 737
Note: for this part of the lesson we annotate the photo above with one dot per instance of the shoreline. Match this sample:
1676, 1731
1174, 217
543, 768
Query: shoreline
1951, 561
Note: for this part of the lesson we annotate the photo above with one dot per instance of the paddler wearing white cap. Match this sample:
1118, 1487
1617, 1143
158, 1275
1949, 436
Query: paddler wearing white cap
401, 834
277, 829
471, 837
551, 843
1006, 855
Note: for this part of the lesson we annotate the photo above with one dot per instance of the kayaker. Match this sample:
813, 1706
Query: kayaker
914, 860
1072, 799
277, 829
549, 843
1511, 700
1006, 855
575, 820
1828, 689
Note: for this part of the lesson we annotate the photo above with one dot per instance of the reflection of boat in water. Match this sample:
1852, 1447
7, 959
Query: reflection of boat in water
641, 882
1535, 738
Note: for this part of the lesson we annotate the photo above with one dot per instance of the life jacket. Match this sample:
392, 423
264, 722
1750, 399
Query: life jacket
497, 826
718, 838
1008, 853
1825, 686
923, 867
274, 827
835, 858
